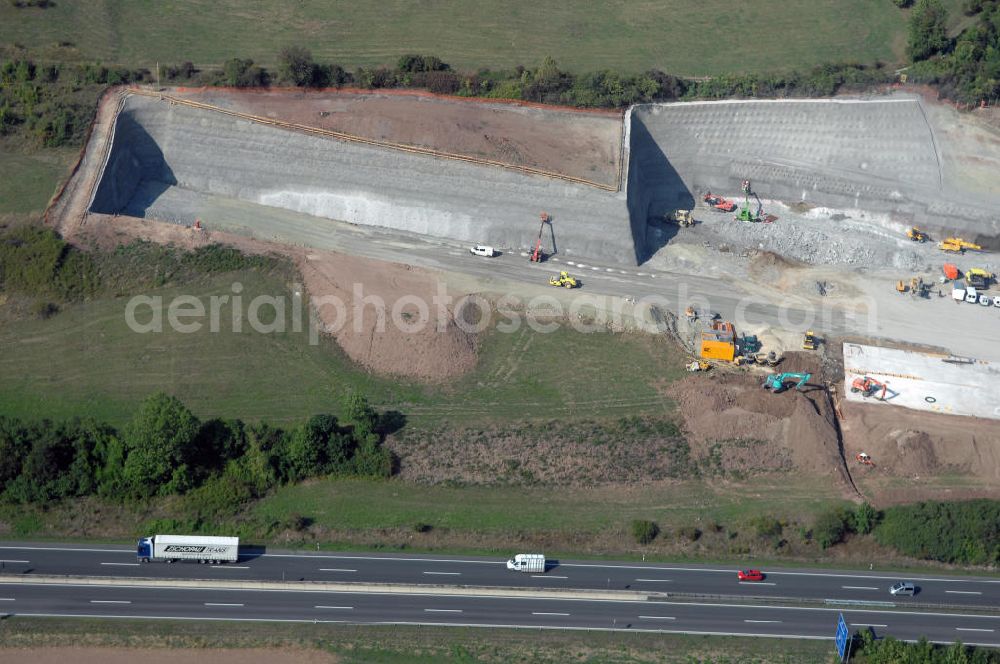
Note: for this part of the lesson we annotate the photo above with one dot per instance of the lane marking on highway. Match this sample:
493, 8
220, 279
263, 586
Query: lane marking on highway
335, 569
443, 610
220, 604
6, 599
972, 629
546, 613
547, 576
762, 621
122, 564
231, 566
756, 583
768, 607
867, 577
14, 561
56, 548
657, 618
445, 573
110, 601
963, 592
655, 580
859, 587
385, 558
867, 625
131, 551
345, 608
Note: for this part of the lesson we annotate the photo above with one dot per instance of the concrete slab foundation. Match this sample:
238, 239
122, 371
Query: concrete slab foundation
926, 381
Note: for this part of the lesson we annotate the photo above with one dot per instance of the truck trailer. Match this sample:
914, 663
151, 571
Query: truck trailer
171, 548
527, 562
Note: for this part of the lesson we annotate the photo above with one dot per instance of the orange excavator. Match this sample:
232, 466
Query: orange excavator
864, 458
868, 387
719, 203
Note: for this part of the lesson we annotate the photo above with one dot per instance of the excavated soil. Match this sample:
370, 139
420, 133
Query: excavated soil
922, 444
584, 145
428, 354
731, 419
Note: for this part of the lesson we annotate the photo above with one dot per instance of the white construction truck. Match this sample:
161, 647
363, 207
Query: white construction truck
527, 562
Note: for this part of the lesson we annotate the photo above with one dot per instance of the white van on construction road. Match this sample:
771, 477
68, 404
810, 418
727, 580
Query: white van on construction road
527, 562
482, 250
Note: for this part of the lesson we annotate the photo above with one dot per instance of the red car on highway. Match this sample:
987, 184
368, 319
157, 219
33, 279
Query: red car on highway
750, 575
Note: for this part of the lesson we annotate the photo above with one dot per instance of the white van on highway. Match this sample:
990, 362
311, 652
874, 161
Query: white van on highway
482, 250
527, 562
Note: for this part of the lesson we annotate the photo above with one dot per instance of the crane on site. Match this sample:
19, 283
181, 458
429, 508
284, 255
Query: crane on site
783, 381
537, 256
745, 214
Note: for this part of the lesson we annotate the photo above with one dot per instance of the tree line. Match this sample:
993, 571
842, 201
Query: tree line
166, 450
545, 83
965, 68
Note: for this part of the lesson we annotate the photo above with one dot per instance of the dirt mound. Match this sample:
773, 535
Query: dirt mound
731, 420
411, 347
418, 343
922, 444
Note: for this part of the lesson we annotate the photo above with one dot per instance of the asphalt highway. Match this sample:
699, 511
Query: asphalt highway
868, 586
136, 601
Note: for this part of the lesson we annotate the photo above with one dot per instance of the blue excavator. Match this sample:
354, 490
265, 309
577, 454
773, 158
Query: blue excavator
783, 381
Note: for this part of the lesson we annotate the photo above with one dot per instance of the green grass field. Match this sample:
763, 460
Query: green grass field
86, 361
27, 181
351, 504
402, 644
688, 37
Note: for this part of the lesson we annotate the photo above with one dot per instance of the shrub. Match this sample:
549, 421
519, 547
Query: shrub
241, 73
421, 527
865, 518
295, 65
830, 527
44, 310
951, 532
766, 527
690, 533
644, 531
927, 30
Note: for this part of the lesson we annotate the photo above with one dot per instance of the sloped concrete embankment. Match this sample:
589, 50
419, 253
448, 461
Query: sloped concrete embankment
165, 156
880, 156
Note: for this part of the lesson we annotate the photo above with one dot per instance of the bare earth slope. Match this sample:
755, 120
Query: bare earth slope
584, 144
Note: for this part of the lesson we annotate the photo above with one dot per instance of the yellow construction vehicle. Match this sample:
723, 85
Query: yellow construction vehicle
698, 365
563, 280
682, 217
809, 341
900, 287
957, 245
978, 277
917, 287
916, 234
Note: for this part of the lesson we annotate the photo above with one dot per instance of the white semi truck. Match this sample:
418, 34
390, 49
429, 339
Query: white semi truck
527, 562
171, 548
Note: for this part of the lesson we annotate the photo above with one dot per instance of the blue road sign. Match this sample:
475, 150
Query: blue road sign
842, 636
